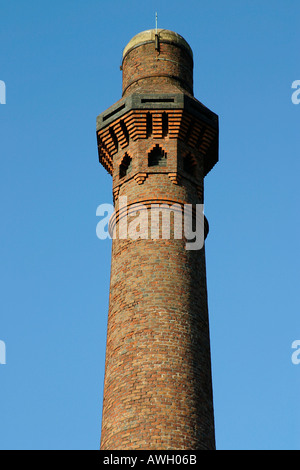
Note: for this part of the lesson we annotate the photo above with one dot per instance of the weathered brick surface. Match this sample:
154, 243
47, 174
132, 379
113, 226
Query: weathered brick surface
158, 388
168, 70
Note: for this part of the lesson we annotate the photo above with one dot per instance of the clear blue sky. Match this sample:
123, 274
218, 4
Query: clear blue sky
60, 62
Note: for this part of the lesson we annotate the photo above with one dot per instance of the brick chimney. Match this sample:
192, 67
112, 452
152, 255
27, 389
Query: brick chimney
158, 143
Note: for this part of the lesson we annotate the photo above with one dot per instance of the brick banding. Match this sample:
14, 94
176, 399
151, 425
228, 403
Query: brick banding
150, 204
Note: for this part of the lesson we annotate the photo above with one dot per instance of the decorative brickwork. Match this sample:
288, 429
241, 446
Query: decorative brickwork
140, 177
174, 177
181, 125
158, 143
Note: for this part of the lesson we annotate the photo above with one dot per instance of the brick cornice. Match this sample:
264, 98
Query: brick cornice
118, 126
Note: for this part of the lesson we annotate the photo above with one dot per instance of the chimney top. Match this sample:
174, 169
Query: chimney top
164, 35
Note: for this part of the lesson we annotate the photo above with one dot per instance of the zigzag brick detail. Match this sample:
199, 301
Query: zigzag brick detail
181, 126
120, 134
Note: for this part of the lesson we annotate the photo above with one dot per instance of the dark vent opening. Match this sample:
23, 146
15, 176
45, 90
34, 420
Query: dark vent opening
125, 131
114, 138
157, 157
157, 100
165, 124
125, 166
107, 116
190, 165
149, 124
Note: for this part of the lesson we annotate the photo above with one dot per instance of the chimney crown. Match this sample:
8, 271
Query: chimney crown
164, 35
157, 61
